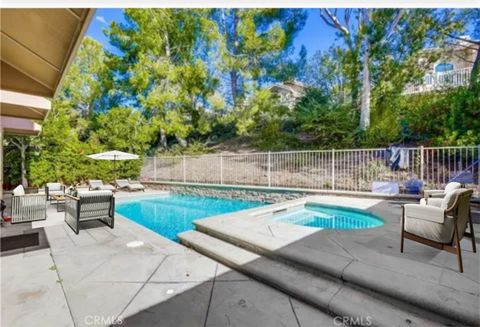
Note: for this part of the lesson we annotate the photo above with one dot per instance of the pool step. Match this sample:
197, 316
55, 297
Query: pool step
444, 301
329, 294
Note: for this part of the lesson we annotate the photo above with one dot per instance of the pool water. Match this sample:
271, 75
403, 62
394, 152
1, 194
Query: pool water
330, 217
173, 214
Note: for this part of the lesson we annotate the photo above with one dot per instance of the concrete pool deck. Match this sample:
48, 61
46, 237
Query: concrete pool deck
367, 258
95, 279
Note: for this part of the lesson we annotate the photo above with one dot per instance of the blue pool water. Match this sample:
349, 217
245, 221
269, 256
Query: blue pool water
173, 214
330, 217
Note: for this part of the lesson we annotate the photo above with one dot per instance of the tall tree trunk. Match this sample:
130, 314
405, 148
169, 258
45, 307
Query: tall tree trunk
181, 141
365, 100
163, 140
22, 146
474, 75
234, 86
23, 167
232, 44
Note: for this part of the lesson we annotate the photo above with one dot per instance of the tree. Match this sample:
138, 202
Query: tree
83, 86
160, 68
250, 40
374, 37
21, 143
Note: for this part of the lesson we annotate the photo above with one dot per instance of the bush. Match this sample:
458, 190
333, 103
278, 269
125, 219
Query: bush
329, 125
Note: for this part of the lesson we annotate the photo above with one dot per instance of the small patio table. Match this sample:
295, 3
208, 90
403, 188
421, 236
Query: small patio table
60, 200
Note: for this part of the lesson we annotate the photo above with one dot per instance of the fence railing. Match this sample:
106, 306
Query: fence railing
437, 81
342, 170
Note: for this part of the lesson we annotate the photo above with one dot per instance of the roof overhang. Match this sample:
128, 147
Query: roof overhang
19, 126
21, 105
37, 47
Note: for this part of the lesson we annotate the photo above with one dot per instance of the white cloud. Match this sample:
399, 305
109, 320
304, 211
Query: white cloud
101, 19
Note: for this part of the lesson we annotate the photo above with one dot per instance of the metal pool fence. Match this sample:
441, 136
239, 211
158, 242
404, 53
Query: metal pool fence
342, 170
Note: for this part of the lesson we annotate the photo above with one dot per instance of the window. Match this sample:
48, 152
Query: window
443, 67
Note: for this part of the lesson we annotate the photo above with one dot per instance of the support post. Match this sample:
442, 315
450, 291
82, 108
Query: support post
155, 167
422, 163
333, 169
478, 171
184, 170
269, 169
221, 169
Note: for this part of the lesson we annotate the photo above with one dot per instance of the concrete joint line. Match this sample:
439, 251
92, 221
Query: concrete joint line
293, 310
211, 295
141, 287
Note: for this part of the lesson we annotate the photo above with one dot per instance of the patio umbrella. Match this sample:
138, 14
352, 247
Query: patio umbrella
113, 156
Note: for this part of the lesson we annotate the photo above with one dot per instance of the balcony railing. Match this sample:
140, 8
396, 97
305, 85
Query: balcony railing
439, 81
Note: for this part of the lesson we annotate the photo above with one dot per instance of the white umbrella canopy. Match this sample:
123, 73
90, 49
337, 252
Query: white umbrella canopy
114, 156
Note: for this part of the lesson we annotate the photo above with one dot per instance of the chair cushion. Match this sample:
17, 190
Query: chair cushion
452, 186
86, 194
438, 232
435, 202
450, 198
54, 187
19, 190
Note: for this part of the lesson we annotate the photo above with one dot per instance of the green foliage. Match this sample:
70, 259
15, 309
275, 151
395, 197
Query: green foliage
263, 118
328, 124
453, 116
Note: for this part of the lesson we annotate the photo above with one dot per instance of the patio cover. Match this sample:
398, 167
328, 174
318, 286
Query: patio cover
37, 47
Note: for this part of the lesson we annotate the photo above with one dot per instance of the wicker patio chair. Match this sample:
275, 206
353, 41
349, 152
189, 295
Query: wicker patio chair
52, 189
441, 226
28, 207
97, 184
89, 205
124, 184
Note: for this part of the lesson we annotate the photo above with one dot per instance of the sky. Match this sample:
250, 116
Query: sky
315, 35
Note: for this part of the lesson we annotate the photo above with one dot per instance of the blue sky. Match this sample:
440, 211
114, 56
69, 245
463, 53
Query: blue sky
315, 35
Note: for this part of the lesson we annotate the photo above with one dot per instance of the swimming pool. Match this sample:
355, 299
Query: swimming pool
172, 214
330, 217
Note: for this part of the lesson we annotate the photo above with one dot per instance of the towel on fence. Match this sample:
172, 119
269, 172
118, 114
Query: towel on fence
399, 158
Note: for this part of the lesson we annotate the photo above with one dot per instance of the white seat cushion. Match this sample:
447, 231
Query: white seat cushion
54, 187
19, 190
450, 198
452, 186
438, 232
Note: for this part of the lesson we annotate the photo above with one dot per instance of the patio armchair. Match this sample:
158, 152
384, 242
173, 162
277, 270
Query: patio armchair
428, 194
28, 207
97, 185
125, 184
52, 189
441, 226
87, 206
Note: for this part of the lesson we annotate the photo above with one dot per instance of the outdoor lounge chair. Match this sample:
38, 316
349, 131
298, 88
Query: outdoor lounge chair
439, 194
129, 185
89, 205
28, 207
441, 227
52, 189
97, 185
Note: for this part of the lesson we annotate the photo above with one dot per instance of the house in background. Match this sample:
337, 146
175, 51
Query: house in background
453, 69
289, 92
